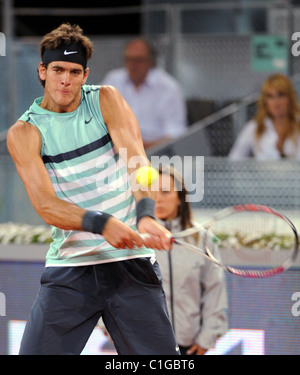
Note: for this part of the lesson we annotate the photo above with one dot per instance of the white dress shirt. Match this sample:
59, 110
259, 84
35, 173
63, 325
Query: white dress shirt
158, 103
265, 148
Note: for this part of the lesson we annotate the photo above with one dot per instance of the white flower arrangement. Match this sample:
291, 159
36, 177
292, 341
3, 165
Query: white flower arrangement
270, 241
24, 234
41, 234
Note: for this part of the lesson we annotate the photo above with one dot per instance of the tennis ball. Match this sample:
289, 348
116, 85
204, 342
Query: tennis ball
146, 176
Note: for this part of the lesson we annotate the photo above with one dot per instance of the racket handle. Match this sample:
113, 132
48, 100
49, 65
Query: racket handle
144, 235
147, 235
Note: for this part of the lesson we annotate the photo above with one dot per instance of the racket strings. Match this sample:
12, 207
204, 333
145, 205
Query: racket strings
257, 240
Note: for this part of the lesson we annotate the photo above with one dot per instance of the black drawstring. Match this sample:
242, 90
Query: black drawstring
171, 282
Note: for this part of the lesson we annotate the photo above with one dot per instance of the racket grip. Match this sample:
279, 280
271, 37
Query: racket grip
144, 235
147, 235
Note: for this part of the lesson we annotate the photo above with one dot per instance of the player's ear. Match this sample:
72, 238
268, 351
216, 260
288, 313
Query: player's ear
42, 71
86, 74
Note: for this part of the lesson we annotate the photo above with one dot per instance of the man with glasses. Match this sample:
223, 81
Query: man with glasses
154, 95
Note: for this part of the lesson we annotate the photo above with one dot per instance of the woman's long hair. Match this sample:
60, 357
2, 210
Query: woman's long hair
184, 209
282, 84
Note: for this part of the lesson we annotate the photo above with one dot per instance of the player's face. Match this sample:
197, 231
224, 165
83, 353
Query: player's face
277, 103
137, 62
167, 200
63, 81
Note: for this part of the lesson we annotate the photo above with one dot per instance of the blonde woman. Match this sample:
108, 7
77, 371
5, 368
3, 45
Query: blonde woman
274, 133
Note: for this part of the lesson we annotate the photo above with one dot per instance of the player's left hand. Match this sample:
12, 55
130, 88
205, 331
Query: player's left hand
159, 237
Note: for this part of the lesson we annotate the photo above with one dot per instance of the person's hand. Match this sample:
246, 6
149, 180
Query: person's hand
157, 237
195, 349
101, 325
120, 235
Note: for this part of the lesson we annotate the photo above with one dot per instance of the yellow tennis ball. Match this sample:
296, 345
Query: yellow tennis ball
146, 176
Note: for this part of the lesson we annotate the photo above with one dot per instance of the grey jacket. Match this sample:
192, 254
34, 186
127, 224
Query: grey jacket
196, 294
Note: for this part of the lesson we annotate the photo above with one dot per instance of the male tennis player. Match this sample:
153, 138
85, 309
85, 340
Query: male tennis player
66, 150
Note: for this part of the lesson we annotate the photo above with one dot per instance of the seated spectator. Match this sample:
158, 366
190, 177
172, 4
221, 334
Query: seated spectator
274, 132
154, 95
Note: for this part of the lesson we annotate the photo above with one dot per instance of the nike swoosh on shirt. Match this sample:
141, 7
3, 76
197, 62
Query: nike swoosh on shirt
69, 53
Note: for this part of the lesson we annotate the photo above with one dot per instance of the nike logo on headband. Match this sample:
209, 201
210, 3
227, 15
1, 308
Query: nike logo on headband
72, 53
69, 53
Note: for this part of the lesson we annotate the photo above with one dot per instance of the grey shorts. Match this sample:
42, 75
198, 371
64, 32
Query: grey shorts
127, 294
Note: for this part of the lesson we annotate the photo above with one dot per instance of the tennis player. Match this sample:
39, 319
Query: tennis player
66, 149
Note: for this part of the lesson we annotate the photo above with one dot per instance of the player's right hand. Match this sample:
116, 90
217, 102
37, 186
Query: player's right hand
120, 235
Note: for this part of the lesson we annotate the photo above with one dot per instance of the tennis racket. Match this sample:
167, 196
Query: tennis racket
248, 240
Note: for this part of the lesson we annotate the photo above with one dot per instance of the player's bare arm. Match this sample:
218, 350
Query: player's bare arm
24, 144
125, 133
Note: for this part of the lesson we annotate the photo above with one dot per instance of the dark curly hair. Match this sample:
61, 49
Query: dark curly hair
66, 34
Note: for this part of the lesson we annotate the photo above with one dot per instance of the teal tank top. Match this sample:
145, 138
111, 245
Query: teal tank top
85, 170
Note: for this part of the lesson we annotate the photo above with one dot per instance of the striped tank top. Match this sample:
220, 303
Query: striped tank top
85, 170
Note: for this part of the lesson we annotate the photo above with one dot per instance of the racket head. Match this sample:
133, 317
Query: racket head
254, 241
